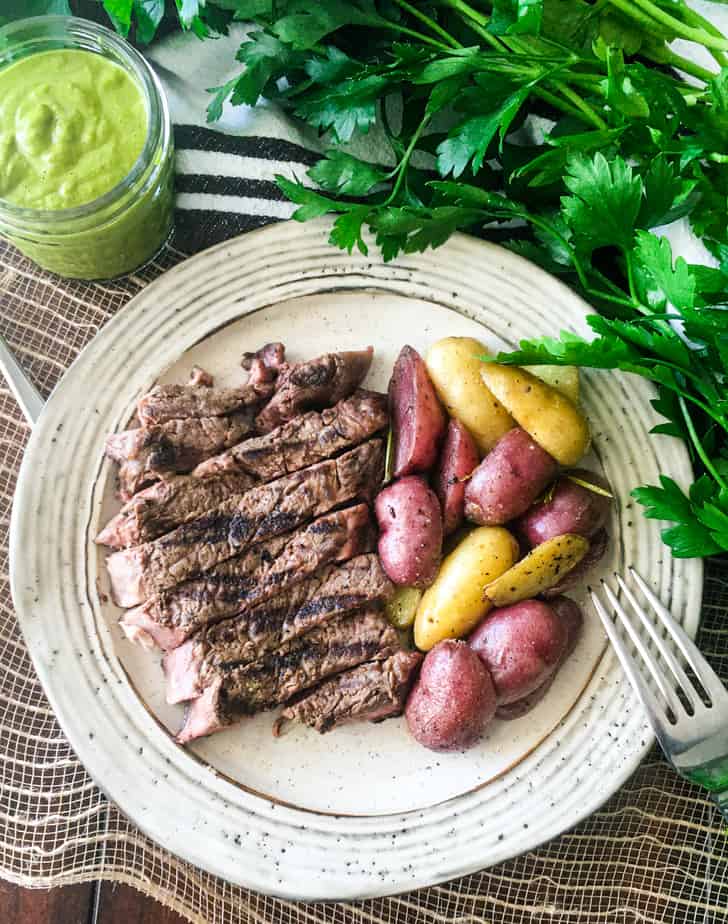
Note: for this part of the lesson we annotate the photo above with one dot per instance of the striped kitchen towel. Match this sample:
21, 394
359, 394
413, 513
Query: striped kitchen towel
225, 171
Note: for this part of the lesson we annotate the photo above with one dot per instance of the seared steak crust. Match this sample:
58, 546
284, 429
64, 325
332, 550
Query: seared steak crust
370, 692
149, 453
243, 521
172, 402
237, 690
331, 592
266, 570
314, 384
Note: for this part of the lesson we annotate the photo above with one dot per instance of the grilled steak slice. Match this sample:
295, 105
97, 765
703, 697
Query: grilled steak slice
368, 693
200, 376
238, 690
243, 521
333, 591
166, 504
304, 440
262, 572
265, 363
293, 446
172, 402
148, 453
314, 384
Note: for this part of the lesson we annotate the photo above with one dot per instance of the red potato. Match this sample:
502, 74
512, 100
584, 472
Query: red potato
458, 458
597, 547
573, 619
418, 419
521, 645
453, 699
410, 524
570, 509
508, 480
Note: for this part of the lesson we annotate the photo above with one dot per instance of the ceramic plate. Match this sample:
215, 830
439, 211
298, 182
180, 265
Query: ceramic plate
364, 810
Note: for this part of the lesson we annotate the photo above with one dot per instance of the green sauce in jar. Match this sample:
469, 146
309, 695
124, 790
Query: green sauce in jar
85, 149
72, 125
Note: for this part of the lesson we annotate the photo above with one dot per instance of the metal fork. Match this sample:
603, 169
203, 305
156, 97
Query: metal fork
26, 394
689, 718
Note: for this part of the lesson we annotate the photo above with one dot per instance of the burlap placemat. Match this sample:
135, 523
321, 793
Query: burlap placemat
656, 852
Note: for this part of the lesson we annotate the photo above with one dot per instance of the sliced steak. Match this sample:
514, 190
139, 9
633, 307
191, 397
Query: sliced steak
243, 521
314, 384
331, 592
236, 690
149, 453
304, 440
368, 693
267, 569
265, 364
173, 402
291, 447
200, 376
165, 505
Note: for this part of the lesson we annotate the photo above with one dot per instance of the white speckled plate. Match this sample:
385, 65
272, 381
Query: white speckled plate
362, 811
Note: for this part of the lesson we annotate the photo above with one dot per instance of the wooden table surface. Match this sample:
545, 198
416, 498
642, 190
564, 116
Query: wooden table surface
89, 903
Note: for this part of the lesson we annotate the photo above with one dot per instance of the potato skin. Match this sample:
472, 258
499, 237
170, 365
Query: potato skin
418, 420
521, 645
456, 601
453, 699
571, 509
598, 545
539, 571
549, 417
410, 524
454, 369
573, 619
458, 459
508, 480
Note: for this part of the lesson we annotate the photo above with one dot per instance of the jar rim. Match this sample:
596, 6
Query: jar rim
158, 120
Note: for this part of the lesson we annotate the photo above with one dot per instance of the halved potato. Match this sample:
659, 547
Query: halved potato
454, 369
402, 608
456, 602
553, 421
541, 569
563, 378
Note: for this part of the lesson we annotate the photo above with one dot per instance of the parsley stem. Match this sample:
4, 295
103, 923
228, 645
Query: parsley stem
402, 166
630, 275
719, 42
430, 23
691, 16
688, 67
413, 33
580, 104
699, 448
476, 20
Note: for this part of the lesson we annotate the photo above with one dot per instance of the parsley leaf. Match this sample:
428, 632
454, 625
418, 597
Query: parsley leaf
604, 202
516, 17
658, 281
345, 174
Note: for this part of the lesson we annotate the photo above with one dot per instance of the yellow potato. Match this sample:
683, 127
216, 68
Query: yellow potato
543, 567
456, 602
563, 378
454, 369
401, 609
552, 420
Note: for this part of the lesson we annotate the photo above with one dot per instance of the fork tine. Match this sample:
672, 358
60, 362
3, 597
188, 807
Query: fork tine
662, 647
703, 671
648, 658
630, 666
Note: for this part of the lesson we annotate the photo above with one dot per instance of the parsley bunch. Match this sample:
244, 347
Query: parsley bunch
569, 130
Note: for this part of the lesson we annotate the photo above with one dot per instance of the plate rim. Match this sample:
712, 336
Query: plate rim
23, 496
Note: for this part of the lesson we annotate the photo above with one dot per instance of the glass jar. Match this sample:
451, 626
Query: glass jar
126, 226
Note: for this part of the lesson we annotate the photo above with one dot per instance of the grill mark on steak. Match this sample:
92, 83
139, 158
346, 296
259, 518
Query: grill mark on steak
194, 400
304, 440
242, 690
174, 447
332, 591
371, 692
170, 617
244, 520
315, 383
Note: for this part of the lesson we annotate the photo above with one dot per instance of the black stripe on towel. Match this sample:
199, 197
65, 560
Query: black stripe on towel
196, 229
227, 186
197, 138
